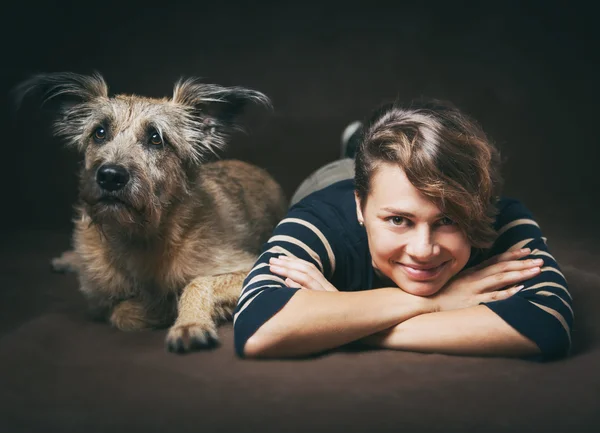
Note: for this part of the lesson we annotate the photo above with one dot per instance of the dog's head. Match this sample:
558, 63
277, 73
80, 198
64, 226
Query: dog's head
140, 154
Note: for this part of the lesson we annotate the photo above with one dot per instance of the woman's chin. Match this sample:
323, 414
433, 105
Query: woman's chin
417, 288
420, 283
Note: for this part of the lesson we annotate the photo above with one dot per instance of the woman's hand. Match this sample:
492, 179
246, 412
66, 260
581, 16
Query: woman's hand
492, 280
300, 273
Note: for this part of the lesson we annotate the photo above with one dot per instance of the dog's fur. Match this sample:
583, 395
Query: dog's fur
175, 243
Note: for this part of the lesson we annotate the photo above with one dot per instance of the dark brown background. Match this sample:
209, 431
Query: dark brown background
526, 70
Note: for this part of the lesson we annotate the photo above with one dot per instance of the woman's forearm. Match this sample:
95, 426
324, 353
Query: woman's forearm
468, 331
314, 321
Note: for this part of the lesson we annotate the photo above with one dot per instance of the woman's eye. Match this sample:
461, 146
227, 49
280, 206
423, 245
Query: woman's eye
397, 220
99, 134
155, 139
446, 222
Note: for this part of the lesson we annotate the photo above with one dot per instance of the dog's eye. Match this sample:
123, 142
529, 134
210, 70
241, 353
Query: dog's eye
99, 134
155, 139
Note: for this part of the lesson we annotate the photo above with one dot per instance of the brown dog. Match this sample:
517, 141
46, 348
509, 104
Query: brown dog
161, 236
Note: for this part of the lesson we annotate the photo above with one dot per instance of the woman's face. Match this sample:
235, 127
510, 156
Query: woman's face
411, 242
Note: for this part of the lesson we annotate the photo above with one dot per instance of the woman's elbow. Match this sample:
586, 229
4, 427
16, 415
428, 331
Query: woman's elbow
558, 350
257, 347
554, 345
263, 344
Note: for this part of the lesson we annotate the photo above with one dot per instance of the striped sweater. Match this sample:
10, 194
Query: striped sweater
323, 229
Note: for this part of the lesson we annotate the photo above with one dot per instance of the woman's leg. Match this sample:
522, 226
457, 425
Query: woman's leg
335, 171
329, 174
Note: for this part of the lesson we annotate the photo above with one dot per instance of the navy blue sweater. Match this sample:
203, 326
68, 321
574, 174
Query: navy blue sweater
323, 229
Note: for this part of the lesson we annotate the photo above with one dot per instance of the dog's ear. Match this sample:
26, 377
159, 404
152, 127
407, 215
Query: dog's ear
221, 105
65, 89
66, 97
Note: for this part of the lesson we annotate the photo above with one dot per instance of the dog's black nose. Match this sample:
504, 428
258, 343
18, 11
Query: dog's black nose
112, 177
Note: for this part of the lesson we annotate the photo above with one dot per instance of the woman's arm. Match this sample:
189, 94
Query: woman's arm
542, 311
314, 321
469, 331
304, 235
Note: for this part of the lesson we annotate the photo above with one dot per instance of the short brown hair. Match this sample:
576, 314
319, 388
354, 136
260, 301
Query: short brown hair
445, 155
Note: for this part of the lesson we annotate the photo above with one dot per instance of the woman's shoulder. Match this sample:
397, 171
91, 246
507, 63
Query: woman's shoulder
333, 209
328, 217
515, 227
509, 209
334, 205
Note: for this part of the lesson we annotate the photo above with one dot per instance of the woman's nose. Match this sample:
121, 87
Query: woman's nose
421, 246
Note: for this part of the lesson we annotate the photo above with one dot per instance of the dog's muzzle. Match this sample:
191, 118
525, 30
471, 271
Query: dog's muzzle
112, 177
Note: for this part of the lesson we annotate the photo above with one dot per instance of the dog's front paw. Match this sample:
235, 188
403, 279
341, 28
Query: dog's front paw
183, 338
66, 262
130, 315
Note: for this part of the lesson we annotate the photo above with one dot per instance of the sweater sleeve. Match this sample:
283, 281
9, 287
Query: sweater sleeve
301, 234
542, 311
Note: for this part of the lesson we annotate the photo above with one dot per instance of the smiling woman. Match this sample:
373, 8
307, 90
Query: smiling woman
413, 244
416, 251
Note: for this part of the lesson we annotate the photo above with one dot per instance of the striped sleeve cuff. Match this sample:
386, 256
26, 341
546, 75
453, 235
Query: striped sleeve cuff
535, 323
266, 303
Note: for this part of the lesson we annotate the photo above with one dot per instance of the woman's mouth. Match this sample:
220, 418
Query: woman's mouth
423, 272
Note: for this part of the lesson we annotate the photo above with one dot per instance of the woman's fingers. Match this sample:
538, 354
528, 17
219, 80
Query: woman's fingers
503, 279
302, 278
291, 283
304, 274
508, 266
294, 263
499, 295
503, 270
506, 256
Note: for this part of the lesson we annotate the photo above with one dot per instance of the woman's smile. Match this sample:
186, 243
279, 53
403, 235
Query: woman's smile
423, 272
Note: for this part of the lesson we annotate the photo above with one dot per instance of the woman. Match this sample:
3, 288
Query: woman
417, 252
